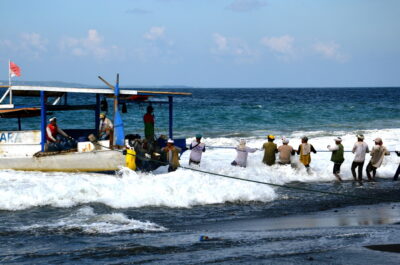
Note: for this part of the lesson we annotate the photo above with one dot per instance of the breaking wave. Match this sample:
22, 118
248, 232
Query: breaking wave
85, 220
186, 188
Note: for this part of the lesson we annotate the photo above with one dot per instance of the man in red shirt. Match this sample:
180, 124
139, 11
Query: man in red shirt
55, 142
148, 120
52, 130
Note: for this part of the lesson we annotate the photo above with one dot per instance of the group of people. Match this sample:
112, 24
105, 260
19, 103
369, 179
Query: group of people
58, 140
286, 152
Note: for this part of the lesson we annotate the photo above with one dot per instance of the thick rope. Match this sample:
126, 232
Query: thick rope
258, 149
257, 181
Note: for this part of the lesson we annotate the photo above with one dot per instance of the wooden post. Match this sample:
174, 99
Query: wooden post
170, 101
116, 95
43, 119
97, 114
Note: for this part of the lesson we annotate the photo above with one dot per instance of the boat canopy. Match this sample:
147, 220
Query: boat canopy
120, 95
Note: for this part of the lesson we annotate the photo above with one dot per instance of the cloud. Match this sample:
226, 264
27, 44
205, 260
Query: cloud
246, 5
34, 40
32, 45
224, 46
330, 50
155, 33
137, 11
221, 42
157, 45
282, 44
91, 45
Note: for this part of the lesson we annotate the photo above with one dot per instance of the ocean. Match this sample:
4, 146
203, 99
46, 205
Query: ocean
158, 218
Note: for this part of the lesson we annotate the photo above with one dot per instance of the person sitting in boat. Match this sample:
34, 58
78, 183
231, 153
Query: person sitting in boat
148, 120
242, 153
105, 127
197, 148
57, 139
172, 155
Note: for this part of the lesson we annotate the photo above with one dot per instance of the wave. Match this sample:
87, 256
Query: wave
186, 188
85, 220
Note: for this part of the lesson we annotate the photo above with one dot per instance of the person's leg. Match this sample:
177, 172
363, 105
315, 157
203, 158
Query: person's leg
360, 168
336, 171
396, 175
368, 170
353, 170
373, 172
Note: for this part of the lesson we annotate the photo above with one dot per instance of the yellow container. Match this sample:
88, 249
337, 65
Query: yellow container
130, 159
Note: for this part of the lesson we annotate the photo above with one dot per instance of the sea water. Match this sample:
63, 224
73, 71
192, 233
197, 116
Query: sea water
158, 217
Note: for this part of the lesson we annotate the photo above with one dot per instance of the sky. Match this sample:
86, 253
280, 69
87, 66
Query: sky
204, 43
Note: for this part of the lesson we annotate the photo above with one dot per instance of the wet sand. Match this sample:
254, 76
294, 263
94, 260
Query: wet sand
363, 215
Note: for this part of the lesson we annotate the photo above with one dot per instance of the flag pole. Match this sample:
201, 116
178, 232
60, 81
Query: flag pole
9, 80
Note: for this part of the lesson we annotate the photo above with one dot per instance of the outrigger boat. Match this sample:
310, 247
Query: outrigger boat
26, 149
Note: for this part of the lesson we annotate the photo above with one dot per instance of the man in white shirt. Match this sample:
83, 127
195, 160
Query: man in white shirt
105, 127
378, 152
360, 148
197, 148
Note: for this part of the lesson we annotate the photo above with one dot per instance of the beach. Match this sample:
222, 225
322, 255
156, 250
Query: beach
291, 216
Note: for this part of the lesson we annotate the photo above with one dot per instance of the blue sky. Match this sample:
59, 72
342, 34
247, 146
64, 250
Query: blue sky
205, 43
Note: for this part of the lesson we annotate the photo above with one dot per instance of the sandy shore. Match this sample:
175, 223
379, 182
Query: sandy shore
362, 215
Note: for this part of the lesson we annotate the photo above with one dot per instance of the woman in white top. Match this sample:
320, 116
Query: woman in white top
242, 153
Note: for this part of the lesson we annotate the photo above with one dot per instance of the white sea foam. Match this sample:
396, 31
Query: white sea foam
87, 221
185, 188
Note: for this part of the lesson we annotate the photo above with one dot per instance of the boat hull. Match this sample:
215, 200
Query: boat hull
100, 161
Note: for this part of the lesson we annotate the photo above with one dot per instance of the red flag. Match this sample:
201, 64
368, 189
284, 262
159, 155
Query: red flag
14, 70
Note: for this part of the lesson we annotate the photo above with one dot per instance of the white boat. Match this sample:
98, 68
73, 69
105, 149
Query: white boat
26, 149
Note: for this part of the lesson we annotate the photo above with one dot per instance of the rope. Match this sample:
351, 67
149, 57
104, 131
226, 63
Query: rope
271, 184
256, 181
318, 151
281, 186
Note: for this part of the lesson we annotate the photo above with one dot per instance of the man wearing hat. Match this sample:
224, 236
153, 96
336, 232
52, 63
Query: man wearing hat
270, 149
360, 149
242, 152
304, 151
172, 155
105, 127
197, 148
52, 131
337, 156
53, 140
378, 152
148, 120
285, 152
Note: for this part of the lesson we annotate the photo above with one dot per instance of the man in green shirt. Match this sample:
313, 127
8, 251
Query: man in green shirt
148, 120
337, 156
270, 149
